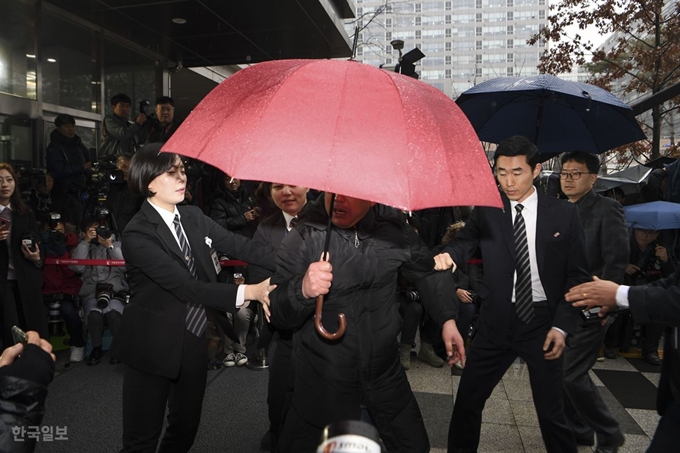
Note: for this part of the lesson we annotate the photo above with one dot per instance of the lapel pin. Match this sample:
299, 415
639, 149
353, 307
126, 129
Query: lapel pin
208, 241
556, 234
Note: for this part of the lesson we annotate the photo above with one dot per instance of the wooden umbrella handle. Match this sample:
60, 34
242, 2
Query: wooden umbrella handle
319, 327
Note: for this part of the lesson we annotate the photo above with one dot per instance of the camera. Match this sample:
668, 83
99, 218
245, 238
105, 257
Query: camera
53, 220
104, 294
30, 178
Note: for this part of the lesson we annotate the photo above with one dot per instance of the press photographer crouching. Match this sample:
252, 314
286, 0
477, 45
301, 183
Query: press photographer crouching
61, 285
104, 287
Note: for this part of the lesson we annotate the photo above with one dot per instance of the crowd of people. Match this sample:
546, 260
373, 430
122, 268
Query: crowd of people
174, 313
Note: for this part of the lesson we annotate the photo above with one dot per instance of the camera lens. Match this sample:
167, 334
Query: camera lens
103, 299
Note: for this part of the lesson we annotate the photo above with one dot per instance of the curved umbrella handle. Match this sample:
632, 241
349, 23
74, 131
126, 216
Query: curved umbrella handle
319, 327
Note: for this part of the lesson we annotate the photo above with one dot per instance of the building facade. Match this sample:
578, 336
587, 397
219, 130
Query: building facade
465, 42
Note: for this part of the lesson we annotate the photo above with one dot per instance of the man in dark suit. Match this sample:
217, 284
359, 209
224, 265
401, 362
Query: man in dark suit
657, 302
172, 268
533, 250
607, 249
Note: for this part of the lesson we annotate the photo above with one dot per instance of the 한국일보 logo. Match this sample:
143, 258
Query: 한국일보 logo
349, 443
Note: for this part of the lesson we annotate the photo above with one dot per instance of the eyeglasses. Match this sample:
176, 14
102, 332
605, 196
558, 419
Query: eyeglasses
574, 175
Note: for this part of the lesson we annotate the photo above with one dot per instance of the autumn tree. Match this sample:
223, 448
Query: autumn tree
641, 57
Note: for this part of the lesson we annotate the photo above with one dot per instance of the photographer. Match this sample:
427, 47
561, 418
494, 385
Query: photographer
60, 284
20, 262
120, 137
104, 287
45, 200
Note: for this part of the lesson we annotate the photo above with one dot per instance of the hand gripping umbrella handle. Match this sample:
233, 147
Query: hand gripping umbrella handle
319, 327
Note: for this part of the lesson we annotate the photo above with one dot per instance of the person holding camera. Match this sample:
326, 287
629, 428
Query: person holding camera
120, 137
104, 287
20, 262
44, 200
61, 285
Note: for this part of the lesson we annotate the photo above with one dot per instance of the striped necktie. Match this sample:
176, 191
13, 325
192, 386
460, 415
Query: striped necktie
523, 296
196, 319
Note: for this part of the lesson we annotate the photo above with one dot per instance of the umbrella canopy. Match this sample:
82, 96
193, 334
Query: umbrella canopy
557, 115
342, 127
657, 215
631, 176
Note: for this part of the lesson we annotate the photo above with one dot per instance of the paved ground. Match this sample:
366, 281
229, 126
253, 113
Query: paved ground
86, 401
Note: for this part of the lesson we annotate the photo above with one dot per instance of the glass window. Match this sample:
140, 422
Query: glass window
70, 65
128, 72
17, 49
16, 139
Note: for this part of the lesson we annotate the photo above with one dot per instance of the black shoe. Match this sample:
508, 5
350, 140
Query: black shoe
95, 356
652, 358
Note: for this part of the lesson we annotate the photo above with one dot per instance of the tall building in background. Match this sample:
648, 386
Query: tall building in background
465, 42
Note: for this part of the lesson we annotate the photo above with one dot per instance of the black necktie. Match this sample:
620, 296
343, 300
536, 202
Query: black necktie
523, 297
196, 319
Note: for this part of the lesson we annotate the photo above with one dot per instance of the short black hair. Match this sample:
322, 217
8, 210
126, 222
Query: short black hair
64, 118
518, 145
120, 97
147, 164
165, 100
590, 160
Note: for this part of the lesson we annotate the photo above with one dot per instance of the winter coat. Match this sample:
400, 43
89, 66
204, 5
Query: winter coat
229, 211
91, 275
58, 278
120, 137
29, 277
65, 159
334, 378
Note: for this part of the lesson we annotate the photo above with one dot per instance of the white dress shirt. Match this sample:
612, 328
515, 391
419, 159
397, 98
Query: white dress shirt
530, 214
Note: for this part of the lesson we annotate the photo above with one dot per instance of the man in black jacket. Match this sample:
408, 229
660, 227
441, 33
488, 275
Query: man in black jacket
360, 372
657, 302
606, 236
66, 157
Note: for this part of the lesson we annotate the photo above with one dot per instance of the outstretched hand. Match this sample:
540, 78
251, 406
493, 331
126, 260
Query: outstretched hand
598, 293
260, 292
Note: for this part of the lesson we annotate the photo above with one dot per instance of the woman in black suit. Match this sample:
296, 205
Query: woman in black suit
290, 200
20, 274
162, 335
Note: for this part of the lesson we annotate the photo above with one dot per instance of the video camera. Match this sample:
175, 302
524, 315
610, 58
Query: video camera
29, 178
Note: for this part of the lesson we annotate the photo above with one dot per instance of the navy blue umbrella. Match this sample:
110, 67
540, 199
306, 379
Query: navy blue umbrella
557, 115
656, 215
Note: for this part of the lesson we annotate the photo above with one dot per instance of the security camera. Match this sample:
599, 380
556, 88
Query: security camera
398, 44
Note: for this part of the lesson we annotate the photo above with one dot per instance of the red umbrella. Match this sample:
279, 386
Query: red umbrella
341, 127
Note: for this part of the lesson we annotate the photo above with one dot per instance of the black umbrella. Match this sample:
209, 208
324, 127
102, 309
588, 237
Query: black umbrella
557, 115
